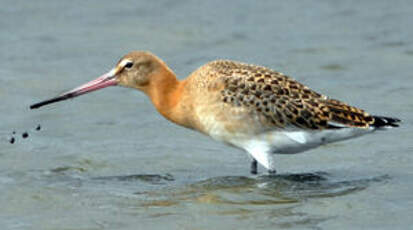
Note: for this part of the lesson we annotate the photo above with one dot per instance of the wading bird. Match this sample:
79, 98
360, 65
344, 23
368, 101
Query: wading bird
250, 107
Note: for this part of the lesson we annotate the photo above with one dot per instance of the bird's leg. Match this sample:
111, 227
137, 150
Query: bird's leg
272, 172
254, 167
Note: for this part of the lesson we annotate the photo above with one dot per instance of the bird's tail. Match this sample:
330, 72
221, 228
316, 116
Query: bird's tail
385, 122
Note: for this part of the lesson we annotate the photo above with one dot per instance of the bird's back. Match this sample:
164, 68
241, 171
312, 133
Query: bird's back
276, 99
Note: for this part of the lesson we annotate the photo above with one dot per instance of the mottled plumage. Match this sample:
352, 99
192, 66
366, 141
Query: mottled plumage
284, 101
266, 112
249, 107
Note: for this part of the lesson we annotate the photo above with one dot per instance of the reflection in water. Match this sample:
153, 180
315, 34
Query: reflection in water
64, 169
265, 190
149, 178
271, 201
276, 200
279, 197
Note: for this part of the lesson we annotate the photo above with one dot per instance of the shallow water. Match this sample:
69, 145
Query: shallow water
109, 161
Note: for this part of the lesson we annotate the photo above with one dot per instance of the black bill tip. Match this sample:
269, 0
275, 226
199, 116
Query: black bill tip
52, 100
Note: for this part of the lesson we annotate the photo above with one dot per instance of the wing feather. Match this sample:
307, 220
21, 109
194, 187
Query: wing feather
282, 101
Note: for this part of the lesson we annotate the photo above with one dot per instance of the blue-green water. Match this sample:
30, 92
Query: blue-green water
107, 160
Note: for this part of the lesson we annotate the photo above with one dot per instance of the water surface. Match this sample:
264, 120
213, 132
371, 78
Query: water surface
107, 160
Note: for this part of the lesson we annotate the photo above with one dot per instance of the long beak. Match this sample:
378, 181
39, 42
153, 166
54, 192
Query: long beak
108, 79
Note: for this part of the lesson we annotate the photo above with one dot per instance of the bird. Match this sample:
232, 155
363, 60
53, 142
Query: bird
249, 107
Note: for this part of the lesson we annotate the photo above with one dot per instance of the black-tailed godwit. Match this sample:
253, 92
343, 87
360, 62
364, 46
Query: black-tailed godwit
250, 107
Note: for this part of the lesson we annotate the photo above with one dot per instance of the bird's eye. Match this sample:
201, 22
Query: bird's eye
129, 65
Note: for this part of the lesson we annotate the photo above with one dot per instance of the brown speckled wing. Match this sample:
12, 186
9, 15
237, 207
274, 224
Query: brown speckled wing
282, 101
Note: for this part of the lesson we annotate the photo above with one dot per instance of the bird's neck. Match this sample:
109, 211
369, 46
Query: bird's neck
165, 92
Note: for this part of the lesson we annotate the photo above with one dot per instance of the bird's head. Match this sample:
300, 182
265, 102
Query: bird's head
136, 69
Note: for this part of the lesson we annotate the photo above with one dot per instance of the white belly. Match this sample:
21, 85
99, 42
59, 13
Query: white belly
264, 146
